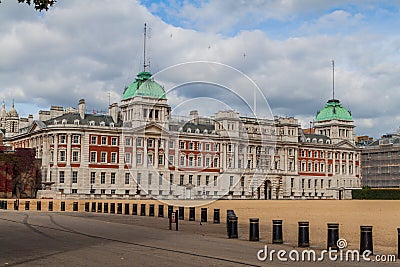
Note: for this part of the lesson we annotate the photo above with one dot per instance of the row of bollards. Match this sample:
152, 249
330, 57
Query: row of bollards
304, 233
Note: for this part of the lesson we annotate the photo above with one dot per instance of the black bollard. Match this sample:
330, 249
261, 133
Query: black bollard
233, 227
366, 239
99, 207
142, 209
16, 204
303, 239
39, 205
126, 212
134, 209
1, 204
229, 214
75, 206
333, 235
112, 207
277, 236
203, 214
119, 208
192, 214
27, 205
216, 216
105, 208
5, 205
254, 234
181, 213
87, 205
62, 206
160, 210
170, 210
93, 206
50, 205
398, 243
151, 210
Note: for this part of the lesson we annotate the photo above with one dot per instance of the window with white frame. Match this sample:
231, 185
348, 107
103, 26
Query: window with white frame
128, 141
182, 160
149, 159
102, 177
139, 142
113, 157
61, 177
190, 161
63, 139
171, 144
199, 161
92, 177
171, 159
113, 178
93, 156
207, 148
160, 159
93, 140
182, 145
127, 178
75, 139
103, 157
139, 158
75, 156
128, 158
150, 143
104, 140
74, 177
62, 155
114, 141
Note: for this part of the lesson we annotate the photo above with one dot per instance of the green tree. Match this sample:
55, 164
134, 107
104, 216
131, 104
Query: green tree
39, 4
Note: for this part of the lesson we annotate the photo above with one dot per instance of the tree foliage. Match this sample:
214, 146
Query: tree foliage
39, 4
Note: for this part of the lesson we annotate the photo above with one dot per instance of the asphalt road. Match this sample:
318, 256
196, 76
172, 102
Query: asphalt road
86, 239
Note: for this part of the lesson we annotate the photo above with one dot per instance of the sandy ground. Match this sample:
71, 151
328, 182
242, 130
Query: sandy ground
384, 216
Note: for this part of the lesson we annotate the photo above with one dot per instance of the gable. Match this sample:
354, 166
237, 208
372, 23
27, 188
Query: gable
345, 144
151, 128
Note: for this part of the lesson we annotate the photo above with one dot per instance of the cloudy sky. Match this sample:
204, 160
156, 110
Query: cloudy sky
93, 49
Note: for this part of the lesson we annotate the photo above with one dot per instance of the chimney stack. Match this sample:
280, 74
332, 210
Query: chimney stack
81, 108
194, 116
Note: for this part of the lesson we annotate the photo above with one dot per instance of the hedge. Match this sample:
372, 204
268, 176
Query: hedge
389, 194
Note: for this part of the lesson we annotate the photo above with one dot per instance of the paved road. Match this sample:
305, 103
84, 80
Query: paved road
86, 239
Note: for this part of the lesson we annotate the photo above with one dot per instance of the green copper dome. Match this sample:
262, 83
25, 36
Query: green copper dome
144, 85
333, 111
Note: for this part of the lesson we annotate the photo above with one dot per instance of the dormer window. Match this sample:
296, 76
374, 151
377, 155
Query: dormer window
91, 123
76, 122
205, 131
112, 125
102, 123
197, 131
64, 121
55, 122
180, 129
189, 130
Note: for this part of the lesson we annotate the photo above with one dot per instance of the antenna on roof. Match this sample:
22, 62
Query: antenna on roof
333, 79
144, 47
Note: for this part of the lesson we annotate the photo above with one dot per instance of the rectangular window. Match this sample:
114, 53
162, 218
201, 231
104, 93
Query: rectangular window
309, 167
198, 146
160, 159
171, 159
62, 155
198, 180
182, 160
190, 161
171, 144
112, 191
309, 183
207, 179
113, 157
102, 177
139, 158
181, 179
329, 183
322, 183
113, 178
208, 162
190, 179
128, 141
52, 156
139, 177
160, 179
215, 162
199, 161
190, 145
92, 177
114, 141
291, 182
171, 179
215, 180
103, 157
182, 145
102, 191
127, 178
315, 183
74, 191
149, 178
315, 154
150, 159
93, 155
215, 147
74, 177
302, 183
75, 156
127, 158
62, 177
104, 140
63, 139
231, 181
93, 140
303, 167
75, 139
207, 147
139, 142
150, 142
126, 192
